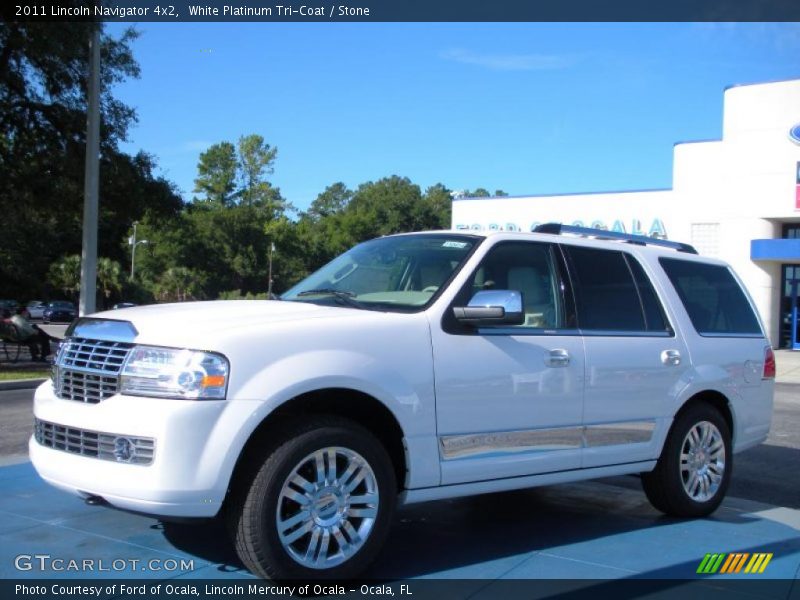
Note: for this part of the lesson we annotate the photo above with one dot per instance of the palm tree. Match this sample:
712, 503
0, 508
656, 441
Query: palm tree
65, 274
109, 273
178, 284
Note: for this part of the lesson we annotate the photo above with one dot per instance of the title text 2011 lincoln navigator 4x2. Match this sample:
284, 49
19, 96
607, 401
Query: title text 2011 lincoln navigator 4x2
413, 367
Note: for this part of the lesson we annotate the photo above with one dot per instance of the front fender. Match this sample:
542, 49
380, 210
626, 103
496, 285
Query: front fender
407, 394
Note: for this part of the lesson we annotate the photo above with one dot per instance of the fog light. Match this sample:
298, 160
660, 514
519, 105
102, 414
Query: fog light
124, 450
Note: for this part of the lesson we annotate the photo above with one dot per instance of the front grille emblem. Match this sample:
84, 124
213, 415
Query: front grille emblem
124, 450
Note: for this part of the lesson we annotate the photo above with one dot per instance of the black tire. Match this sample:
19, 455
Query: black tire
254, 512
664, 486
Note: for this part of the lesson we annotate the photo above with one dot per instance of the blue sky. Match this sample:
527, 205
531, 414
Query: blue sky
531, 108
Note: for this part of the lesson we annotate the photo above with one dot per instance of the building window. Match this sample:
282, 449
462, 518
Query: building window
705, 238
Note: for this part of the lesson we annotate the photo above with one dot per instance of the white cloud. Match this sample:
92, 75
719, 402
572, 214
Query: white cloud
509, 62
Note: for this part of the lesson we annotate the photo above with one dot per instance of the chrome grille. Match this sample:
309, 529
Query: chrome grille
88, 370
95, 444
85, 387
98, 356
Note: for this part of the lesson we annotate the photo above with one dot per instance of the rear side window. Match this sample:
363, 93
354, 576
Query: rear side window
714, 300
612, 292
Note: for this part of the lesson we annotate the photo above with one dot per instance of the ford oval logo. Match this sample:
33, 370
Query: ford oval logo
794, 134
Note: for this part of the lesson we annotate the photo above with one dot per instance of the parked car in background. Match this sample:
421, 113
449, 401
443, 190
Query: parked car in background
35, 309
119, 305
59, 311
9, 305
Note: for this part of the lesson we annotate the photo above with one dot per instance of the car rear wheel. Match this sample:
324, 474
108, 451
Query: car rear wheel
694, 470
319, 506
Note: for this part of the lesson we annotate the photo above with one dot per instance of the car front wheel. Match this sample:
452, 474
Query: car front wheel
319, 506
694, 470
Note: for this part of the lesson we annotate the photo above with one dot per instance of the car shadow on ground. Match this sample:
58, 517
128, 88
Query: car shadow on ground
485, 536
768, 474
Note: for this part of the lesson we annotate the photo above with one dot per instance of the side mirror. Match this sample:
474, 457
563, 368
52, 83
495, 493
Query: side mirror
489, 308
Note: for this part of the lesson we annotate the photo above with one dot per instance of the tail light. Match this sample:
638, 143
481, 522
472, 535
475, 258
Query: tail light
769, 364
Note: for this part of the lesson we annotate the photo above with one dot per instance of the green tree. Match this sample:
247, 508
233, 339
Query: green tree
390, 205
333, 199
178, 284
65, 275
256, 161
483, 193
109, 278
440, 201
216, 174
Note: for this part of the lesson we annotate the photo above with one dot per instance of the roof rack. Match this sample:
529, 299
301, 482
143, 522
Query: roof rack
602, 234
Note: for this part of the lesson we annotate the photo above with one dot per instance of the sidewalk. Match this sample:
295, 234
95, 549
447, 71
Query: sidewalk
788, 366
22, 365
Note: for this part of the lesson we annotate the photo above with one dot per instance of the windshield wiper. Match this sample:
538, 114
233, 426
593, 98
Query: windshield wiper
345, 296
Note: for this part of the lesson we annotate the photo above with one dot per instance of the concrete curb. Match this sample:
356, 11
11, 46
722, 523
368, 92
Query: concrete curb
20, 384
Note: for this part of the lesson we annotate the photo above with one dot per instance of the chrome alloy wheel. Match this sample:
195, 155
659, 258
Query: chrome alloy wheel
327, 507
702, 461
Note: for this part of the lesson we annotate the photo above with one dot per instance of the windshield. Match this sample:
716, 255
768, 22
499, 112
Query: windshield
392, 273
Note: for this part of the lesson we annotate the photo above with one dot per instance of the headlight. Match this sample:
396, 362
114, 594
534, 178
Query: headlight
174, 373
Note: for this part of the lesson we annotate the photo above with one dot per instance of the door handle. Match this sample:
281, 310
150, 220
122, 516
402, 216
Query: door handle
557, 358
671, 357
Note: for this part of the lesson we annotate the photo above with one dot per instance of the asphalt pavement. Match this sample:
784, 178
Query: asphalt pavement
16, 424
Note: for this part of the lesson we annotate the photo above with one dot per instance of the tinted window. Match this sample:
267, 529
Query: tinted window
712, 297
606, 295
529, 269
653, 312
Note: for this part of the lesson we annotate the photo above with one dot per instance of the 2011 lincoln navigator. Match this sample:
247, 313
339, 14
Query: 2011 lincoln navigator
413, 367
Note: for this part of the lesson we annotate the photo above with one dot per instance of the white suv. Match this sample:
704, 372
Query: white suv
411, 368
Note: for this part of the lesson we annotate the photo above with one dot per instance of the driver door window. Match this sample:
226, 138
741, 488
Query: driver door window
529, 269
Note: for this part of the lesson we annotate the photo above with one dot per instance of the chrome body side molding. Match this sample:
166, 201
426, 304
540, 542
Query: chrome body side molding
475, 445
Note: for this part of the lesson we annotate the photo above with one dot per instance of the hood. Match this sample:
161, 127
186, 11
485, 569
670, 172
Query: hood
177, 323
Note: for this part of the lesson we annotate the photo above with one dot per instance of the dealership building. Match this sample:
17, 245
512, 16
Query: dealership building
737, 198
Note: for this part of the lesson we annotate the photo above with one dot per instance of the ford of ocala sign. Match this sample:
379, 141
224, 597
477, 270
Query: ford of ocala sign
794, 134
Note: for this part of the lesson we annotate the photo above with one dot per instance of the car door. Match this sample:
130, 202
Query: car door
509, 399
634, 360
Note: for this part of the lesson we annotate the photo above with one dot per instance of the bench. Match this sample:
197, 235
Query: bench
12, 346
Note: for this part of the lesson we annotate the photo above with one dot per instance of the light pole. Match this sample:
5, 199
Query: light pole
133, 242
269, 284
91, 184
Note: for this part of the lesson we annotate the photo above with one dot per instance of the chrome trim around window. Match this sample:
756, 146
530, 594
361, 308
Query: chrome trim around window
711, 334
102, 329
623, 333
551, 332
477, 445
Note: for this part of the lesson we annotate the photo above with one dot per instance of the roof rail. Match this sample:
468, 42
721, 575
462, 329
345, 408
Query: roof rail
602, 234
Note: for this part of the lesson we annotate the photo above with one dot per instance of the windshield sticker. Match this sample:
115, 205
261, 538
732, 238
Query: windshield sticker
453, 244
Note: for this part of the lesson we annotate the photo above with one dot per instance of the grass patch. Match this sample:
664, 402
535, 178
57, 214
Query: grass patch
24, 374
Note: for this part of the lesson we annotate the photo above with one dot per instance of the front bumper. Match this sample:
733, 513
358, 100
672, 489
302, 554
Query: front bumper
187, 477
